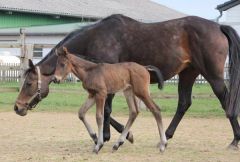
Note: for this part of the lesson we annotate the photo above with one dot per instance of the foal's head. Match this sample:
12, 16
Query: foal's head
64, 66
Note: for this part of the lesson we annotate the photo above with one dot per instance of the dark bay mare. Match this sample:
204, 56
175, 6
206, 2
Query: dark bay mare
187, 46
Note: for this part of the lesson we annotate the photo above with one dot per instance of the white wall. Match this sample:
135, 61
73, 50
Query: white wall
29, 40
233, 14
232, 17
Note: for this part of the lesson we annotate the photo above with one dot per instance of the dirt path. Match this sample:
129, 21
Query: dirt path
56, 137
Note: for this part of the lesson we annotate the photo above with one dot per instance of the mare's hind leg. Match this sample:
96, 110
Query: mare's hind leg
220, 90
109, 120
186, 81
133, 112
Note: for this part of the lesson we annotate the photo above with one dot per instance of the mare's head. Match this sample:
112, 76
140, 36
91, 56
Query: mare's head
64, 66
34, 88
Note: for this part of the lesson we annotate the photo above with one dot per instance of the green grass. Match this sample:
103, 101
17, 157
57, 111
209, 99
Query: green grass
69, 97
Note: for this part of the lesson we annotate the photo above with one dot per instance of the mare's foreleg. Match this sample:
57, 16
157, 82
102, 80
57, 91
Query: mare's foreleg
186, 81
81, 114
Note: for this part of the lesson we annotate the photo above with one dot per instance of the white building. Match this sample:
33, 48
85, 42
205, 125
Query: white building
230, 14
39, 16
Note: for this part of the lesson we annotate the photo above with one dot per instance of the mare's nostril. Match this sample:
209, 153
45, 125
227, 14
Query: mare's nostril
16, 108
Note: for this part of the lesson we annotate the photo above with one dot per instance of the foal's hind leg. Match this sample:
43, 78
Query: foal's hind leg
186, 81
157, 115
100, 101
133, 112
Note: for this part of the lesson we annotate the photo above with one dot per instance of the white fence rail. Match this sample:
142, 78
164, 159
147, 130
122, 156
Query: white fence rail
10, 72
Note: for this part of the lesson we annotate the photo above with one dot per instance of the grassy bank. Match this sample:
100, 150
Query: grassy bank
69, 97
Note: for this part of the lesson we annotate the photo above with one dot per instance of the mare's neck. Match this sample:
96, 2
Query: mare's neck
80, 66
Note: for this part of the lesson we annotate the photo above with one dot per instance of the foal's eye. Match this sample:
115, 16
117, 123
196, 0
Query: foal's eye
28, 84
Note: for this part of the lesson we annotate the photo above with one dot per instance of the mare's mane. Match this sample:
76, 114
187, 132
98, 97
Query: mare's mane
49, 61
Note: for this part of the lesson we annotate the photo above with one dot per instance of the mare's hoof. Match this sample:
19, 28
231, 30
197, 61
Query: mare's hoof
106, 137
233, 147
168, 135
130, 137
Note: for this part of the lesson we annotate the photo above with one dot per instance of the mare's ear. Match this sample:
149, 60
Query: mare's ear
30, 64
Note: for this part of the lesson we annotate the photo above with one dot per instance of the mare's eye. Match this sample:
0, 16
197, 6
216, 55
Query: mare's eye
62, 64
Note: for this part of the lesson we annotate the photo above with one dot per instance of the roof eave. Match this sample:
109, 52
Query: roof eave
227, 5
49, 13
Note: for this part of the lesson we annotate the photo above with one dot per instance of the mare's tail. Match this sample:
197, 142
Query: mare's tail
158, 74
233, 99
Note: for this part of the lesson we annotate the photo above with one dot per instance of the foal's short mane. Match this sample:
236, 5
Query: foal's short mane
88, 58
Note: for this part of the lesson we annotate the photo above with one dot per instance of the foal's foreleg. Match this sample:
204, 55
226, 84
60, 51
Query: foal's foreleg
100, 101
81, 114
133, 112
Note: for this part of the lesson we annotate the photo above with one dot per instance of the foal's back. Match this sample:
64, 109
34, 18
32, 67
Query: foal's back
115, 77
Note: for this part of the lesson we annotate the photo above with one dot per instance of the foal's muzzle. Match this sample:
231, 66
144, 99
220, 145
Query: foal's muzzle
56, 79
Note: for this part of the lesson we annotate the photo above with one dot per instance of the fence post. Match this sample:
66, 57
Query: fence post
26, 53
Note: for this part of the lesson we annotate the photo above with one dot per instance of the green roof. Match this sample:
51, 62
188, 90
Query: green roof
45, 30
18, 19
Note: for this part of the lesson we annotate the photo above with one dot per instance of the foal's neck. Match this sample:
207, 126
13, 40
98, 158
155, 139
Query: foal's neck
80, 66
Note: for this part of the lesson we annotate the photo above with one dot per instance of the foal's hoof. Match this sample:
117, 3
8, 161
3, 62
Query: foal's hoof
97, 148
162, 147
94, 137
115, 148
130, 137
233, 147
117, 145
95, 151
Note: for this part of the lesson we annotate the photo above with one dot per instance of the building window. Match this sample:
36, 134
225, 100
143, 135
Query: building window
37, 52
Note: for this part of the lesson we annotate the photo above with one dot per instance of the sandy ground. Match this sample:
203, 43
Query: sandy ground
62, 137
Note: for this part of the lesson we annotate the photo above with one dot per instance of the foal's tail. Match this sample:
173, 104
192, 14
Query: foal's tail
233, 99
158, 74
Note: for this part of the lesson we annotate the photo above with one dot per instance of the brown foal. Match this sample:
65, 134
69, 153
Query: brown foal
102, 79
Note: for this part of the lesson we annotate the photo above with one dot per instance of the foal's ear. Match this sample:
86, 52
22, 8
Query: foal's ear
30, 64
65, 51
56, 52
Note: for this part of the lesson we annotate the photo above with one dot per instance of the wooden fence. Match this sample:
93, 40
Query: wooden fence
9, 72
